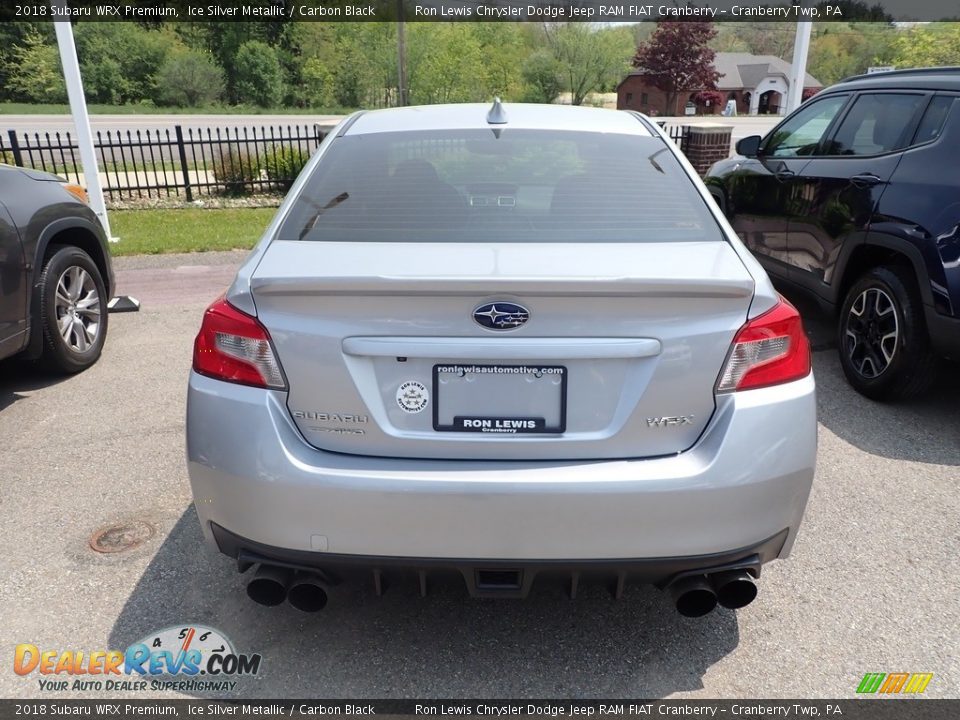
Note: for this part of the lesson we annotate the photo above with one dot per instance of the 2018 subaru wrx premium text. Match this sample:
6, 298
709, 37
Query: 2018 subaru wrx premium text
516, 344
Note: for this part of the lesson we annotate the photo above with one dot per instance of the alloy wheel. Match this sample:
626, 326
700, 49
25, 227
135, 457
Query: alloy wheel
78, 308
872, 332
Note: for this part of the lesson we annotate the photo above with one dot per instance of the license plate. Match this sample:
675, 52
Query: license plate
500, 399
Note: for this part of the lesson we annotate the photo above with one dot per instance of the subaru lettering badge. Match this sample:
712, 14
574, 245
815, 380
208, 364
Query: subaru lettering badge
501, 315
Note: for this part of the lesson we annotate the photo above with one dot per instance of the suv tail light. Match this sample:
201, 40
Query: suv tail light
233, 346
769, 350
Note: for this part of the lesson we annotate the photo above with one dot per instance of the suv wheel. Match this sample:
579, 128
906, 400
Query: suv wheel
73, 307
883, 343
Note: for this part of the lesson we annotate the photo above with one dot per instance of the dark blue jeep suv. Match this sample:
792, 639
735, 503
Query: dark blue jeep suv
855, 199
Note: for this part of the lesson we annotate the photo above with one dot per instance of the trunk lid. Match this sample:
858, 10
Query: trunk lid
617, 358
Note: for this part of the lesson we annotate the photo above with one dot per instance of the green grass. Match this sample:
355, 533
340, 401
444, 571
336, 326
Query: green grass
151, 232
10, 108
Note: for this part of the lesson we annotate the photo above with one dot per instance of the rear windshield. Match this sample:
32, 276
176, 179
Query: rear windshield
498, 185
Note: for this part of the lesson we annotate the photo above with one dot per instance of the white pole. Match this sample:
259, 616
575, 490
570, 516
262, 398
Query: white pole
78, 106
798, 73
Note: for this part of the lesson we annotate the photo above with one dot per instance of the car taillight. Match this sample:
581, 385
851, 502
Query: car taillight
233, 346
769, 350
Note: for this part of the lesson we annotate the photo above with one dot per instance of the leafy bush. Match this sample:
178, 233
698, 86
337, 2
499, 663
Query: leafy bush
189, 78
709, 98
283, 163
119, 61
235, 170
258, 75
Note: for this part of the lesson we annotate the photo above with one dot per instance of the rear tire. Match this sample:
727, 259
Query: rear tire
73, 311
882, 336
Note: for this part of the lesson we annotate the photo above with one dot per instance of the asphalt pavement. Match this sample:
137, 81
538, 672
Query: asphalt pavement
871, 586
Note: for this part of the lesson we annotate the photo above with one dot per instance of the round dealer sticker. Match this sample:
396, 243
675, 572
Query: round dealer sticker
412, 397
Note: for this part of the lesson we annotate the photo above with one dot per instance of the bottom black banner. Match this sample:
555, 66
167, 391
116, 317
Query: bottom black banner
876, 708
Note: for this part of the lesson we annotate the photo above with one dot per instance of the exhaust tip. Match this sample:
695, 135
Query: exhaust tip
735, 589
693, 597
269, 585
307, 593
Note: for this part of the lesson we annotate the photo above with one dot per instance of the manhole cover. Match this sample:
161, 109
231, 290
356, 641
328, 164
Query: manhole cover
121, 537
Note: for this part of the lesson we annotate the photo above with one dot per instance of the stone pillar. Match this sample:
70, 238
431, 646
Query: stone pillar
706, 144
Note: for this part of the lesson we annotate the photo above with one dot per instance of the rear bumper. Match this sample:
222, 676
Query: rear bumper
497, 578
745, 481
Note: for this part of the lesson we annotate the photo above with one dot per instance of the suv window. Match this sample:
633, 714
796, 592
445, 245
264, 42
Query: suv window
801, 134
877, 123
932, 122
499, 185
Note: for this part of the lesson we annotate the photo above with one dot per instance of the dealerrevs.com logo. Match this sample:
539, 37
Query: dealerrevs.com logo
894, 683
183, 658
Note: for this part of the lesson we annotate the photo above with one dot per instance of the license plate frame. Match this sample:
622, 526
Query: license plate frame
489, 423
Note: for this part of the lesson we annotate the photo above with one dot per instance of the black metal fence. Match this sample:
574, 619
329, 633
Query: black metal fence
191, 162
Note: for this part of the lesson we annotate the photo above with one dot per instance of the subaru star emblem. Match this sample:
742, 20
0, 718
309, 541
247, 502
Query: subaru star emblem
501, 315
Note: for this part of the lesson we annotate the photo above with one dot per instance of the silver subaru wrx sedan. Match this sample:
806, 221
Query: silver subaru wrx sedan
516, 344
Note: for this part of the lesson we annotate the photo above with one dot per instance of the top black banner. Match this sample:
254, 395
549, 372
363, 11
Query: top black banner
596, 11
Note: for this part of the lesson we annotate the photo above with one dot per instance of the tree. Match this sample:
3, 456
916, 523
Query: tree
933, 45
840, 50
189, 78
444, 63
119, 61
12, 36
541, 72
757, 38
503, 49
678, 57
258, 76
34, 71
589, 58
316, 87
225, 38
364, 63
143, 54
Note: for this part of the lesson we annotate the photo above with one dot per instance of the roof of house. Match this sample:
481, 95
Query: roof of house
746, 71
743, 70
